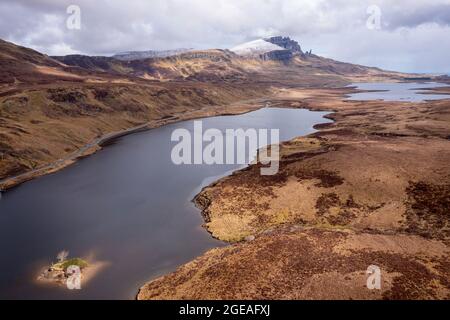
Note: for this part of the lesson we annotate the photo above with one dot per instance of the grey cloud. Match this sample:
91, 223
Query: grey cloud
411, 17
336, 28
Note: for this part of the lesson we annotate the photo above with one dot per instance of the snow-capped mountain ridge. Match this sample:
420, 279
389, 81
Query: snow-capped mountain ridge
274, 48
259, 46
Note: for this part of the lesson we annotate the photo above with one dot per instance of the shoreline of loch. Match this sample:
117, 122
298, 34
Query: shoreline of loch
202, 200
98, 143
101, 191
339, 204
312, 106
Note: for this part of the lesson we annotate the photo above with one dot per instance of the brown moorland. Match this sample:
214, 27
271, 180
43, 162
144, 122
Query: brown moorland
54, 110
372, 188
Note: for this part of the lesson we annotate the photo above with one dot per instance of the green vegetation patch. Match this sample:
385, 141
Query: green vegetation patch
71, 262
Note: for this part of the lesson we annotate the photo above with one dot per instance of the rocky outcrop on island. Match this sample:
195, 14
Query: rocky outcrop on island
64, 269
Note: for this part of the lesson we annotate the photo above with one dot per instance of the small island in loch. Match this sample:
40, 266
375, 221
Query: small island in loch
63, 270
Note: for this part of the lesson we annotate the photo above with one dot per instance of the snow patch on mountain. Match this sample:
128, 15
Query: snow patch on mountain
139, 55
256, 47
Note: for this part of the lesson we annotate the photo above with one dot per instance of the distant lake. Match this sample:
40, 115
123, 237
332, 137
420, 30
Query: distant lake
397, 91
128, 204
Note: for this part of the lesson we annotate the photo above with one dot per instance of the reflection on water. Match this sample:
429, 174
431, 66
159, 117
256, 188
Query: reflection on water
127, 204
397, 91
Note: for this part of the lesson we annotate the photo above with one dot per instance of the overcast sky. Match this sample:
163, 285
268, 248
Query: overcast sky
413, 35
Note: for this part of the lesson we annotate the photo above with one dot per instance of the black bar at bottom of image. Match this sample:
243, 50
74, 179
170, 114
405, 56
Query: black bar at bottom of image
235, 309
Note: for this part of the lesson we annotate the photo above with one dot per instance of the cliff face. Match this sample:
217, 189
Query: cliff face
287, 43
274, 48
278, 55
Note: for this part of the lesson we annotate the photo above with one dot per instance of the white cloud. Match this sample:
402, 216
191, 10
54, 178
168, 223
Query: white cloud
412, 37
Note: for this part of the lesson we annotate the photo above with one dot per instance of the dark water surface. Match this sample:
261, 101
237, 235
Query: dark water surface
397, 91
127, 204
